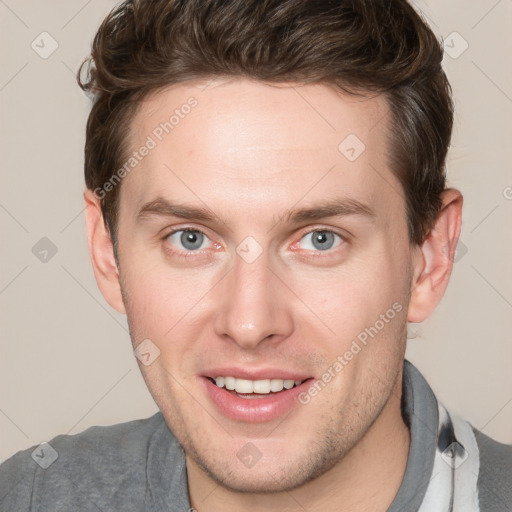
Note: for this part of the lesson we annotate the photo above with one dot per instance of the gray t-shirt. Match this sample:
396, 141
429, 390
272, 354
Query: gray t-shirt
140, 466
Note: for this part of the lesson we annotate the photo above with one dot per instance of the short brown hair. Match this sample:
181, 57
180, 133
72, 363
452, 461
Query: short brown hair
359, 46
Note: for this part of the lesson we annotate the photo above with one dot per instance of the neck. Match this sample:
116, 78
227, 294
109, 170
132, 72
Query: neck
366, 479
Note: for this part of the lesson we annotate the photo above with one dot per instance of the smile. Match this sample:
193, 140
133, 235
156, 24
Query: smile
254, 401
262, 387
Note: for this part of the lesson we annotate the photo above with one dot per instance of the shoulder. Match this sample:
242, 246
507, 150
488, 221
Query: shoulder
495, 475
100, 459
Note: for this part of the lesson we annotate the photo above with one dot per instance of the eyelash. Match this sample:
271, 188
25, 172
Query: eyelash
198, 253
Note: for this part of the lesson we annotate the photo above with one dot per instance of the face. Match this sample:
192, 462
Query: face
264, 238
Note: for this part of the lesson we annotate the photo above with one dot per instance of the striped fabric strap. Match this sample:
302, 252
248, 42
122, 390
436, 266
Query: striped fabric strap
453, 484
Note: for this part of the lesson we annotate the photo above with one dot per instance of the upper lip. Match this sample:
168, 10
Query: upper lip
255, 374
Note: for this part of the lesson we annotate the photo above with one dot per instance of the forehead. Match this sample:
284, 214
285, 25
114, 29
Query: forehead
254, 144
254, 111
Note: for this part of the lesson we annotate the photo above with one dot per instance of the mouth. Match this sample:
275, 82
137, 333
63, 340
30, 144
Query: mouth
245, 388
254, 401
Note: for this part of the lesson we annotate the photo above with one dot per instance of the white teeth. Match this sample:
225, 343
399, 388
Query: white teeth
243, 386
229, 382
276, 385
263, 387
288, 384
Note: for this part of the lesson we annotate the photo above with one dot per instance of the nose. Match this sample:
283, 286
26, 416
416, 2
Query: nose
253, 305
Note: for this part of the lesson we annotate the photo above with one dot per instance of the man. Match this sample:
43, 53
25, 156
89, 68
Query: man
266, 201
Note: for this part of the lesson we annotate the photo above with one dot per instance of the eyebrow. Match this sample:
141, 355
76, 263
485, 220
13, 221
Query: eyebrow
337, 207
163, 208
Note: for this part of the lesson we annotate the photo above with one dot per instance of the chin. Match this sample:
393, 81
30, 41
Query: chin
268, 475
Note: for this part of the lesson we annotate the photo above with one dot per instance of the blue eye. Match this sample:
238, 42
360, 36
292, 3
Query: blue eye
190, 239
322, 240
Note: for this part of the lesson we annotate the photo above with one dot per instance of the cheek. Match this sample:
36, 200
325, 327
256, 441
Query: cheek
159, 297
352, 297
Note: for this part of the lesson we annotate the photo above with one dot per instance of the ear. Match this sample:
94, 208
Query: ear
433, 260
101, 252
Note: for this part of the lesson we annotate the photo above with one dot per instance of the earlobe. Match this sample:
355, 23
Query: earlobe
433, 261
101, 252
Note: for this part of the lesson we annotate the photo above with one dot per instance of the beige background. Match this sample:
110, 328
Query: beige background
66, 360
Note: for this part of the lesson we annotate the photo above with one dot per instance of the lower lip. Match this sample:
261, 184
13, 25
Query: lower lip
254, 410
